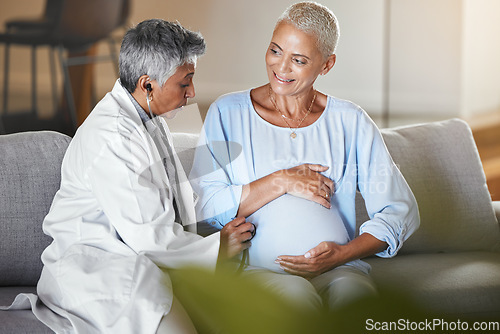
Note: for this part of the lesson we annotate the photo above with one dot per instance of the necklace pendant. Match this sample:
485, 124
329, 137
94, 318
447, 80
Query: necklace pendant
293, 135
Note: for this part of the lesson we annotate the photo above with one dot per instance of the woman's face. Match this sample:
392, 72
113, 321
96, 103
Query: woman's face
175, 92
293, 60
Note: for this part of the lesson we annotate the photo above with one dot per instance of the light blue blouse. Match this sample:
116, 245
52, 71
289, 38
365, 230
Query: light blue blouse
237, 147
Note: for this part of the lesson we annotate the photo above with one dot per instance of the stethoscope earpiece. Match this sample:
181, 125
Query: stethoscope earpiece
148, 99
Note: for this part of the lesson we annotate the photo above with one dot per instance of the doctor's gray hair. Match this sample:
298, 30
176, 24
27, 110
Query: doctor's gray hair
317, 20
157, 48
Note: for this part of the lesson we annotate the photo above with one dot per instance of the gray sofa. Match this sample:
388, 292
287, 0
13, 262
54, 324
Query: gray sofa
450, 266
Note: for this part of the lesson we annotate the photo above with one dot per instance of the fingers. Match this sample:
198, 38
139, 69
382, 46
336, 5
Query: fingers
323, 201
325, 192
312, 263
309, 257
309, 183
254, 230
247, 230
242, 231
317, 251
240, 226
296, 265
291, 259
236, 236
324, 181
317, 168
236, 222
329, 184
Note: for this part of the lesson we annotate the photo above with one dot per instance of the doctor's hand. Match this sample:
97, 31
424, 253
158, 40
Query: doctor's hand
235, 237
306, 181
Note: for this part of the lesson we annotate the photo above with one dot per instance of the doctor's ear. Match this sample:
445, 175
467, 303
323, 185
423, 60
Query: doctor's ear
144, 84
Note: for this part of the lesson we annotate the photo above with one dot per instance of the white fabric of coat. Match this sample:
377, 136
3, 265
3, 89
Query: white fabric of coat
113, 225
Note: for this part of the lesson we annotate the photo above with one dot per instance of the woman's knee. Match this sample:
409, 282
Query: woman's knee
345, 286
298, 290
291, 288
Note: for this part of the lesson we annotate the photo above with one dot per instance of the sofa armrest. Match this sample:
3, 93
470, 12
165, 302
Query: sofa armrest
496, 207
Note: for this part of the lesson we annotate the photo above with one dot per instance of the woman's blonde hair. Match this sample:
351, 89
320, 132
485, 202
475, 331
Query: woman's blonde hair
316, 19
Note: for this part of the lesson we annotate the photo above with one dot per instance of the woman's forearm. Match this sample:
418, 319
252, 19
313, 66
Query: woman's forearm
363, 246
260, 192
303, 181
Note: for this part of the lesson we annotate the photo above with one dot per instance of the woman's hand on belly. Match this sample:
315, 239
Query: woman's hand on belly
306, 181
328, 255
322, 258
291, 225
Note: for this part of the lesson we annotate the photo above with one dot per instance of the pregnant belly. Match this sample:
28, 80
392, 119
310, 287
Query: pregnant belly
291, 226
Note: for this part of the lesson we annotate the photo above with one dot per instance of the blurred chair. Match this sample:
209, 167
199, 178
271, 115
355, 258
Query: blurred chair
35, 27
68, 26
123, 25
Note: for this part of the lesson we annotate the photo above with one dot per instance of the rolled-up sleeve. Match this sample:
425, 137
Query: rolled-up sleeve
389, 201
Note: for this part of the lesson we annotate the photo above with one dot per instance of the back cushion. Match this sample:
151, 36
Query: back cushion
442, 166
30, 169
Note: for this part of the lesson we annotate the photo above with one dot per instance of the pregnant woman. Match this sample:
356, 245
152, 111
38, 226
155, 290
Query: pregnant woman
290, 159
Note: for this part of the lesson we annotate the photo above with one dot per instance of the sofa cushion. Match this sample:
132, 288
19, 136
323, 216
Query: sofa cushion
442, 166
30, 165
441, 282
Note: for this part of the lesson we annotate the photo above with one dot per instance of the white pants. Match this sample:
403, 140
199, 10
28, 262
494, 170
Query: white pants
333, 289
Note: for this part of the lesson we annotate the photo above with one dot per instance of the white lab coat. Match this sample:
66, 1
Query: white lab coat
113, 227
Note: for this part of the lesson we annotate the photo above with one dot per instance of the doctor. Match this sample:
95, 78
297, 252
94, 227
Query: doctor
124, 207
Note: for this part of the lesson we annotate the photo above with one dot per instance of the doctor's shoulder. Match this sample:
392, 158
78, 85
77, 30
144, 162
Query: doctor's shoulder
104, 126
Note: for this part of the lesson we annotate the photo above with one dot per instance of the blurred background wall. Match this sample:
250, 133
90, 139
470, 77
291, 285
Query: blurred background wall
418, 59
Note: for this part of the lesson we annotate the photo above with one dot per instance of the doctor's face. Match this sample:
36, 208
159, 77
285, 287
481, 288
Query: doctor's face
175, 92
